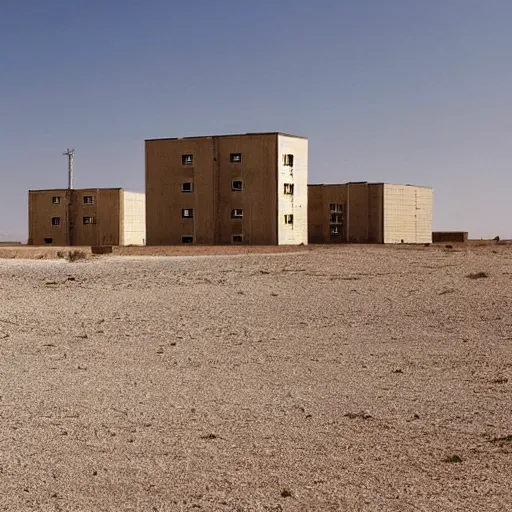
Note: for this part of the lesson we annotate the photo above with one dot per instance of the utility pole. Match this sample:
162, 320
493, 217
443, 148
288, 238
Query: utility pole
70, 153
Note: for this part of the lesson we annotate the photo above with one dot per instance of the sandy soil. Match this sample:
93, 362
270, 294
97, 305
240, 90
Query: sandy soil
349, 378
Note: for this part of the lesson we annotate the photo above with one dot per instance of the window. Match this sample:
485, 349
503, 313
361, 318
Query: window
237, 239
288, 160
235, 158
335, 231
187, 159
55, 221
288, 219
237, 213
89, 220
288, 189
56, 200
236, 185
88, 199
48, 240
187, 213
336, 218
336, 208
187, 186
187, 239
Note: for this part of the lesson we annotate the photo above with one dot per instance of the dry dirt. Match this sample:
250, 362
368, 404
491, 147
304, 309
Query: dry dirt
349, 378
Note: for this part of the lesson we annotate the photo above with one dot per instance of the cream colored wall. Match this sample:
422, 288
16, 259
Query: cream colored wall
407, 214
134, 218
296, 204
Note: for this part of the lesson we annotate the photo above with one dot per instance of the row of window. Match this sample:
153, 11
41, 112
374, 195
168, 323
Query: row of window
235, 158
87, 200
236, 213
85, 220
236, 186
189, 239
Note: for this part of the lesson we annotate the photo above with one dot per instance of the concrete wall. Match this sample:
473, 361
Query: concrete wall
213, 198
133, 218
71, 211
319, 214
357, 212
295, 204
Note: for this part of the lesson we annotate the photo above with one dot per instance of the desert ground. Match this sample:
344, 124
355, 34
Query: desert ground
350, 378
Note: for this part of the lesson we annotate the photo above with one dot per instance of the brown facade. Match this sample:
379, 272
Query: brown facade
369, 213
83, 217
213, 190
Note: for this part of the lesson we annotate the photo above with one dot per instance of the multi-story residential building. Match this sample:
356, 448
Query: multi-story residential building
229, 189
369, 212
99, 216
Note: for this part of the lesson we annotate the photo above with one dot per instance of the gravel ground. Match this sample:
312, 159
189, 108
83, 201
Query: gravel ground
349, 378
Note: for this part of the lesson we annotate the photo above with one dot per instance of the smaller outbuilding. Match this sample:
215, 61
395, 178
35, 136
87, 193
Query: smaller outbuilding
86, 217
369, 213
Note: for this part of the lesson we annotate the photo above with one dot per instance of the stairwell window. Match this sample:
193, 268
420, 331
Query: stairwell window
187, 159
288, 219
187, 213
237, 213
56, 200
288, 160
55, 221
236, 186
89, 220
88, 199
288, 189
336, 208
235, 158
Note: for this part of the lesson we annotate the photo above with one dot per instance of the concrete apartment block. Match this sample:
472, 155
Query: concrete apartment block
86, 217
229, 189
369, 213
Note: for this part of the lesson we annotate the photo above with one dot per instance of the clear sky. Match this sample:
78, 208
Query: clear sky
405, 91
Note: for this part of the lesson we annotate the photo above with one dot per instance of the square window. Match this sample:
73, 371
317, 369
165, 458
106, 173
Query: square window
187, 239
187, 213
288, 219
187, 186
237, 213
55, 221
88, 199
56, 200
187, 159
237, 239
89, 220
236, 186
235, 158
288, 160
288, 189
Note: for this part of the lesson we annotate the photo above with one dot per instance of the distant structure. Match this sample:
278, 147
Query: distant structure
100, 216
369, 213
230, 189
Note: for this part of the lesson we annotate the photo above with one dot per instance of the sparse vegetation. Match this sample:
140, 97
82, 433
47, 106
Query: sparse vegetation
76, 255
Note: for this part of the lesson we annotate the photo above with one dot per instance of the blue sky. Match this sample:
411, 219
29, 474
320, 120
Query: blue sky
406, 91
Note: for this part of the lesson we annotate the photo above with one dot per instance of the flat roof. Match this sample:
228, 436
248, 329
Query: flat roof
365, 183
228, 135
82, 189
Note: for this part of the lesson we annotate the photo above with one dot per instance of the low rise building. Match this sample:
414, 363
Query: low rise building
369, 213
86, 217
229, 189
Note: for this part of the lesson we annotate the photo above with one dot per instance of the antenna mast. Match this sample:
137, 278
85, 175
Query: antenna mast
70, 153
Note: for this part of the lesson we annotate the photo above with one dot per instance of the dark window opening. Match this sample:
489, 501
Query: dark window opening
187, 239
55, 221
187, 159
237, 213
336, 231
187, 213
237, 239
288, 160
56, 200
236, 186
289, 188
288, 219
88, 199
336, 208
89, 220
336, 218
48, 240
187, 186
235, 158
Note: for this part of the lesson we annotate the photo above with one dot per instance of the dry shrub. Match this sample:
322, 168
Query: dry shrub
477, 275
76, 255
